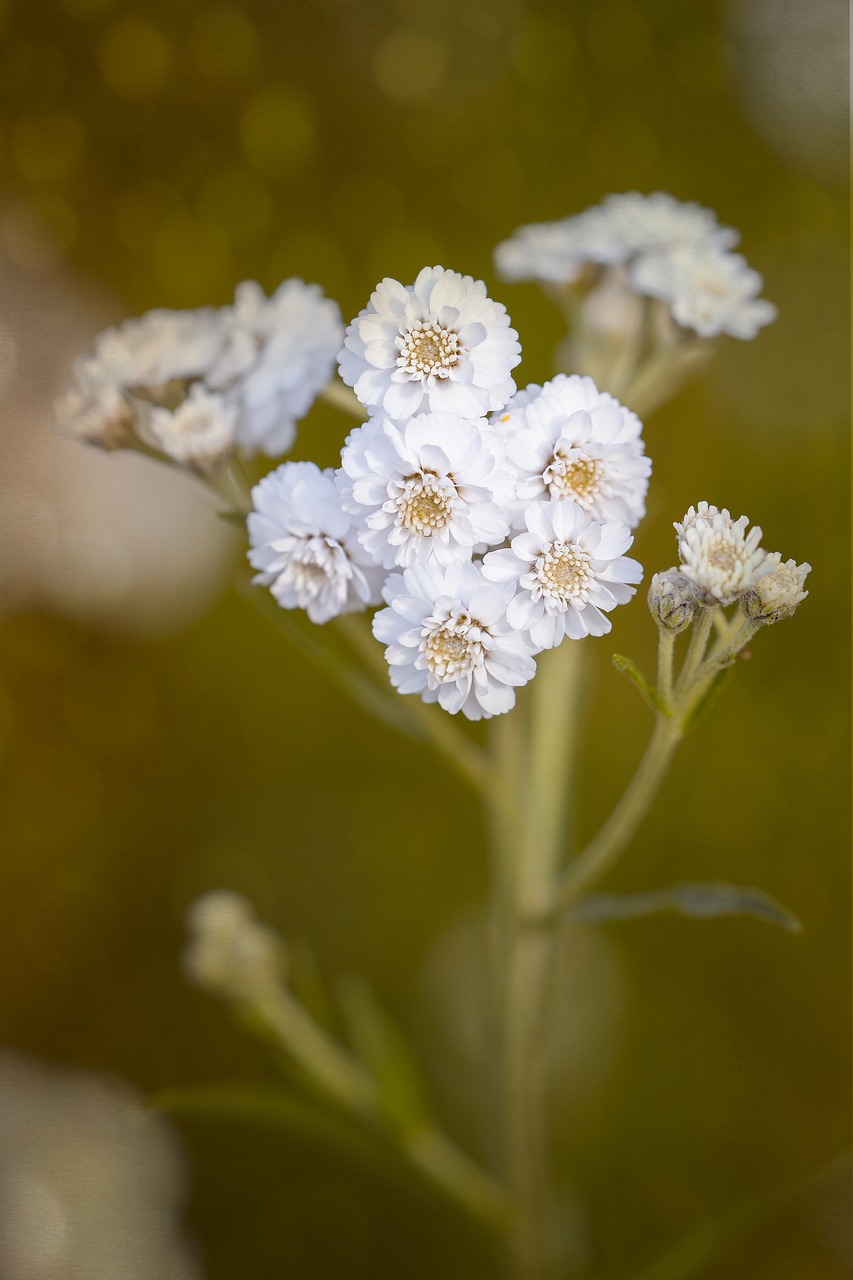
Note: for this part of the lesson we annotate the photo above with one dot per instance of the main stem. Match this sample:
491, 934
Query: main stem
527, 805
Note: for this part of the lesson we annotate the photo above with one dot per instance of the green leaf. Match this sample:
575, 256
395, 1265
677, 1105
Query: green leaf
701, 899
647, 692
273, 1109
381, 1047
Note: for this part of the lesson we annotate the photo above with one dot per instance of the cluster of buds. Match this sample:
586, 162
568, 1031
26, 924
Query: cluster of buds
722, 563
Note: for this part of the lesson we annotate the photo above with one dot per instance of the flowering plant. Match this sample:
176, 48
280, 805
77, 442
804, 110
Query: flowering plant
487, 528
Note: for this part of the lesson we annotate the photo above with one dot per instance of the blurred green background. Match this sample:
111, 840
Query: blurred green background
155, 154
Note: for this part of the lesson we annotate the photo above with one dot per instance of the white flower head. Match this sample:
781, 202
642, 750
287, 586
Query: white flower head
95, 408
304, 544
607, 235
568, 440
566, 572
278, 356
448, 639
707, 290
777, 594
432, 488
229, 951
718, 556
438, 344
161, 346
199, 433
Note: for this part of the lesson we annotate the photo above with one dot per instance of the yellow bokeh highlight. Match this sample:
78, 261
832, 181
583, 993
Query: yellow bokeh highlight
277, 131
223, 43
47, 147
409, 66
135, 57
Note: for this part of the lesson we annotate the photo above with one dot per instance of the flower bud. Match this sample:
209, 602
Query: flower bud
777, 594
673, 600
229, 951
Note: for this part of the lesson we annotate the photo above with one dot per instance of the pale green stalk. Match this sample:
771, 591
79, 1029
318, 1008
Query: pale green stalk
343, 397
344, 1080
527, 805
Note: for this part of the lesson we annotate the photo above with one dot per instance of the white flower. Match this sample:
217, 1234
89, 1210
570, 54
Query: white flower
278, 356
608, 234
95, 408
568, 440
719, 557
432, 488
305, 546
777, 594
439, 344
707, 290
229, 951
449, 640
564, 571
199, 433
161, 346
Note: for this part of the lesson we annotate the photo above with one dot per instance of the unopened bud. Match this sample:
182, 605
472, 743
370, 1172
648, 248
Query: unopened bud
673, 600
229, 951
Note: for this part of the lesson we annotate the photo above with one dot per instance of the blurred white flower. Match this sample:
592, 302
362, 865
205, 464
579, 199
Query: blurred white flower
439, 344
305, 546
568, 440
91, 1181
564, 570
432, 488
718, 556
230, 952
609, 234
449, 641
278, 356
707, 290
198, 433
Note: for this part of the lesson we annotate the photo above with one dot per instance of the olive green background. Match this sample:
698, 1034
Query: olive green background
176, 148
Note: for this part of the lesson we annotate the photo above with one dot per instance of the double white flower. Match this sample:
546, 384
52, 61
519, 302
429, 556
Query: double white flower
438, 344
432, 488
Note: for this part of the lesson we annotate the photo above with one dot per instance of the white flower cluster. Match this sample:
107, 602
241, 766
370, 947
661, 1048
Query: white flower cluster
196, 385
722, 562
660, 248
493, 524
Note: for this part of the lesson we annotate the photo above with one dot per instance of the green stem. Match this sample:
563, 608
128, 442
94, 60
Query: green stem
343, 397
616, 833
666, 652
527, 805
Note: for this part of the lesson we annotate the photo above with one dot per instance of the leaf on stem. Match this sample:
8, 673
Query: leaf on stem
702, 900
381, 1047
647, 692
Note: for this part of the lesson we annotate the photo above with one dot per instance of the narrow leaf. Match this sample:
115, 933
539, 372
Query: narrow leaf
647, 692
702, 900
382, 1049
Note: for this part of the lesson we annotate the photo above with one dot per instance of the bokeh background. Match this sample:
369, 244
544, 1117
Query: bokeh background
159, 738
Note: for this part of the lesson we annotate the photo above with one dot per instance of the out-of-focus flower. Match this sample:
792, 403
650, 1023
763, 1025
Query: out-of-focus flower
777, 594
614, 232
707, 290
91, 1181
439, 344
198, 433
230, 952
718, 556
305, 545
564, 570
430, 489
448, 639
568, 440
278, 356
